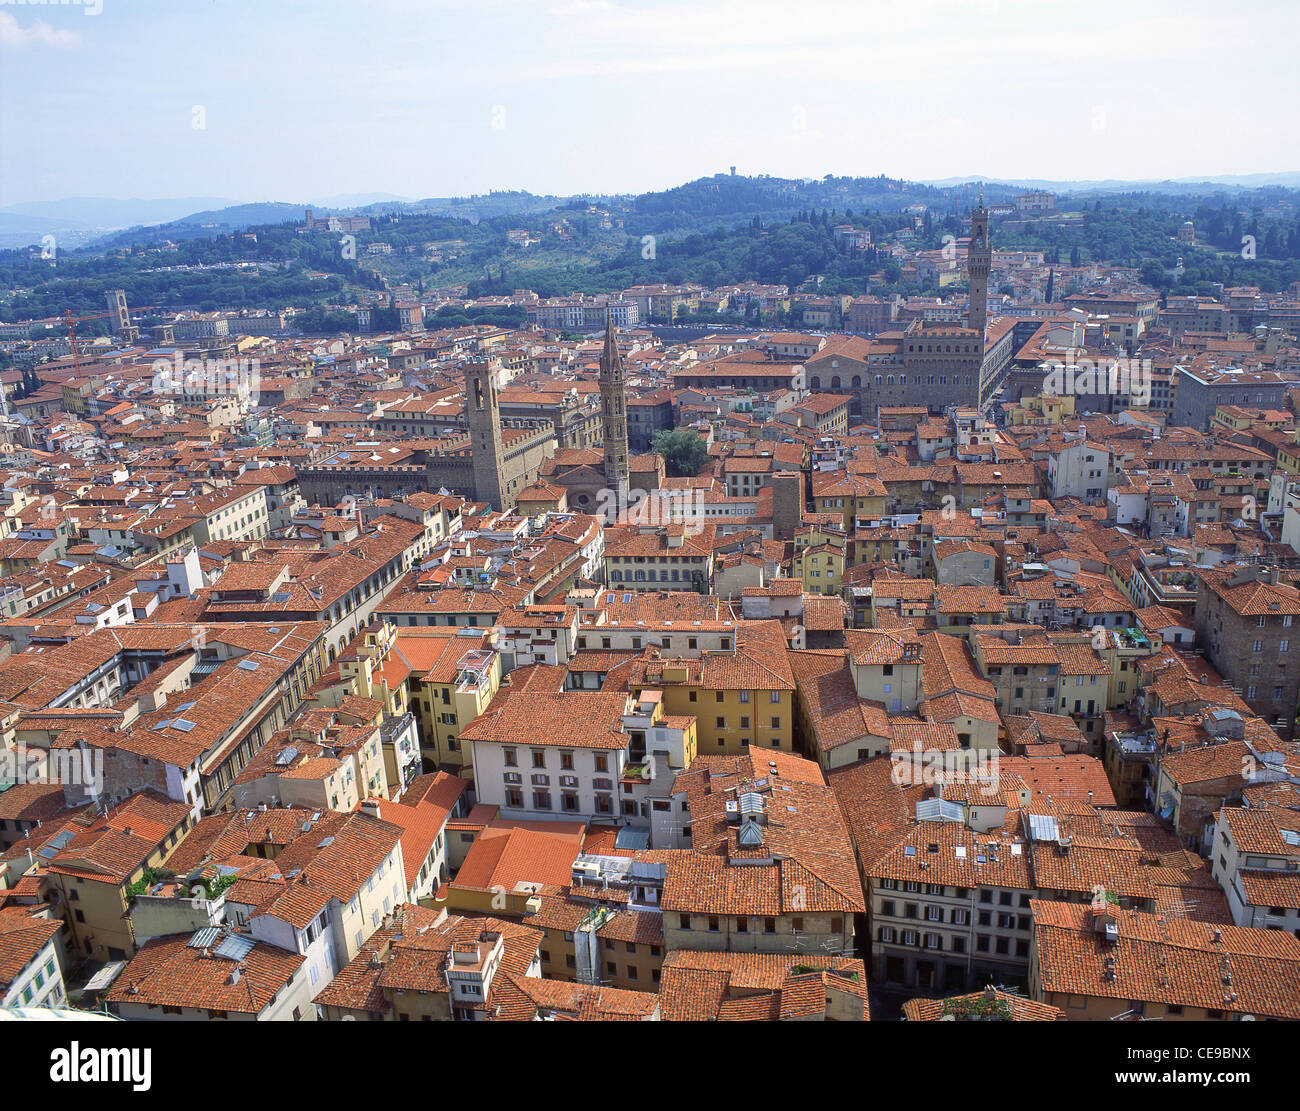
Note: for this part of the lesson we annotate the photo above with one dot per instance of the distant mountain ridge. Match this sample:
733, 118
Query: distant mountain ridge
1289, 180
709, 202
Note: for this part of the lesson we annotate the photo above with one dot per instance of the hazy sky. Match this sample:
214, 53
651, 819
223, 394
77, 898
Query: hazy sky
303, 99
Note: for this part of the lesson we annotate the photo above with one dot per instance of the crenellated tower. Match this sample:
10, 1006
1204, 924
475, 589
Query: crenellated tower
979, 260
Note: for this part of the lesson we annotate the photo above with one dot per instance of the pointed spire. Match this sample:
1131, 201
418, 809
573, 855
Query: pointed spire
609, 358
613, 410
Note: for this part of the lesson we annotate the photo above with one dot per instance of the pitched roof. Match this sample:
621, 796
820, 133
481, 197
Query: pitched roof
1233, 969
170, 972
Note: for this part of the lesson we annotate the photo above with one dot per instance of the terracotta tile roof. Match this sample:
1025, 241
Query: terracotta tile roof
577, 719
332, 861
108, 847
1232, 969
230, 833
519, 995
22, 937
421, 821
702, 986
837, 715
168, 972
1253, 598
952, 854
506, 858
1078, 776
883, 646
803, 828
876, 810
1271, 889
418, 961
698, 884
1260, 830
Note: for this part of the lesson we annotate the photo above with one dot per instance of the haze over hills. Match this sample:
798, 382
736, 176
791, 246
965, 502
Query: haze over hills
1290, 180
76, 221
720, 200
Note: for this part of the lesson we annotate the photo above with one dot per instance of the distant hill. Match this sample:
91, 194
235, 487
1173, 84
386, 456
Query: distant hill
728, 199
207, 224
709, 203
1177, 186
77, 221
478, 207
358, 200
241, 217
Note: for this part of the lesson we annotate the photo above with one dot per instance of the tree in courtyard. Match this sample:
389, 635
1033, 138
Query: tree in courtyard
684, 452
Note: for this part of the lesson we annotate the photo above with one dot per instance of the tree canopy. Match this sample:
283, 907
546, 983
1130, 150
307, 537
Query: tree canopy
684, 452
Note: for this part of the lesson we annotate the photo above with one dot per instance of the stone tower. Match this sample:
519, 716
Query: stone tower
787, 504
979, 258
118, 318
613, 412
483, 416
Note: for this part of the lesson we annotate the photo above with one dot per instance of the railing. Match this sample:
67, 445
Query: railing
392, 725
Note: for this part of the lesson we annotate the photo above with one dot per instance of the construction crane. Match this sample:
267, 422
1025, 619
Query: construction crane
71, 322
